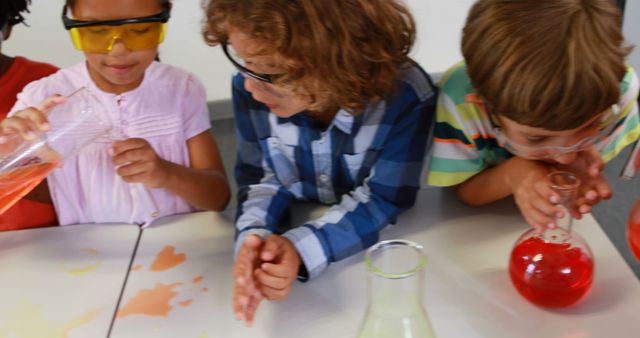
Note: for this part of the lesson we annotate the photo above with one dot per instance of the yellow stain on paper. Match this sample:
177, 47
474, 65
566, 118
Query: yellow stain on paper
90, 263
28, 321
204, 335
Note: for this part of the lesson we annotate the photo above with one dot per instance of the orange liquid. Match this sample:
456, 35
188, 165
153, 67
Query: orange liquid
559, 279
633, 230
16, 183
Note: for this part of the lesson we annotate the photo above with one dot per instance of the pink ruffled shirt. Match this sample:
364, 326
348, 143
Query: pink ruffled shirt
168, 108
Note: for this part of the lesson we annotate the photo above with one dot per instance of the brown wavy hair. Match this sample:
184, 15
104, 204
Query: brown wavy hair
338, 53
551, 64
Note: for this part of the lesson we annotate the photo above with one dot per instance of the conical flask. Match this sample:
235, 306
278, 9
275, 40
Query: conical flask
633, 230
395, 287
554, 268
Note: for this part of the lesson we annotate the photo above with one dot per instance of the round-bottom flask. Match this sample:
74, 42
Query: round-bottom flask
633, 230
555, 268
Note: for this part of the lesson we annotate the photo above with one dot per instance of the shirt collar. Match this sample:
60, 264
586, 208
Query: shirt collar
343, 121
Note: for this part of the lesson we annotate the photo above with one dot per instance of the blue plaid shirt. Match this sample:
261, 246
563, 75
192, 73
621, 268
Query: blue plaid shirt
366, 166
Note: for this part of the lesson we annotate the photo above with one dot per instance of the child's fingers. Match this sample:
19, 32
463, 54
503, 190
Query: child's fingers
603, 188
239, 301
280, 270
128, 144
540, 221
274, 294
25, 127
273, 247
272, 281
36, 117
596, 164
132, 169
253, 241
243, 266
544, 206
51, 102
539, 228
136, 178
128, 156
250, 309
583, 209
592, 196
543, 190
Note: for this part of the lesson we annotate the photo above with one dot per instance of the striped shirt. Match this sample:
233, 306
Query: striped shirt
464, 138
367, 167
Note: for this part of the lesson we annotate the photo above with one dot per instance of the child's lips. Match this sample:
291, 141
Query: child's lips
120, 68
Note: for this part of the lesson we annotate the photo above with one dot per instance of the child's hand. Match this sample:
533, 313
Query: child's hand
588, 166
533, 195
246, 296
137, 162
279, 268
31, 121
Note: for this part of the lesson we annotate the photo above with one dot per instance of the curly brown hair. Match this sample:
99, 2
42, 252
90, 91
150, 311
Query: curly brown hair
551, 64
338, 53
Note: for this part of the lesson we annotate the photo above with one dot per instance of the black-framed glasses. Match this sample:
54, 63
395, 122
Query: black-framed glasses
239, 64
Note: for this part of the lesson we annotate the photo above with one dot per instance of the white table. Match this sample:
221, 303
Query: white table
63, 282
468, 291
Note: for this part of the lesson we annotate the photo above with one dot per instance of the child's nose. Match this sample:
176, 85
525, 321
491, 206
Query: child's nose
118, 47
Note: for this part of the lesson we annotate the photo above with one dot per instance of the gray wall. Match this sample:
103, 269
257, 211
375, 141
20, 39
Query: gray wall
632, 30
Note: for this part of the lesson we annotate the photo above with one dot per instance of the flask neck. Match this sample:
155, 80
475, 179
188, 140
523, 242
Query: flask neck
396, 297
565, 184
396, 275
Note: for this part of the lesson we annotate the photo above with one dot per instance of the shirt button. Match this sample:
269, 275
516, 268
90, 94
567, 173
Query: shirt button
154, 214
324, 177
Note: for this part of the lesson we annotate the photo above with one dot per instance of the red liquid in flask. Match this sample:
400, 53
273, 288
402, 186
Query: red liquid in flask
550, 274
633, 230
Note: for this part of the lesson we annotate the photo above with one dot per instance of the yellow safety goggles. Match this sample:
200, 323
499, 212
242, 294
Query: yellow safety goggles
100, 36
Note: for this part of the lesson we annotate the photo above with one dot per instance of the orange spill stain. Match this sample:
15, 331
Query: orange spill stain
136, 267
186, 302
205, 289
197, 279
153, 303
167, 259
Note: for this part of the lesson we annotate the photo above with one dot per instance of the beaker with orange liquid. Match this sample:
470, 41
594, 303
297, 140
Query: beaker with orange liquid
25, 163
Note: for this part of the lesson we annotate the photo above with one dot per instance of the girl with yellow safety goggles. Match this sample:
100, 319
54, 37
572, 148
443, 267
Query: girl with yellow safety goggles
100, 36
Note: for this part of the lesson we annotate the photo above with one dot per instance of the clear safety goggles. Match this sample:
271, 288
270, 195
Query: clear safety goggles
549, 151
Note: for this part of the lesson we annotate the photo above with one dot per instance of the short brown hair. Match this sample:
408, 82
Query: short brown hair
340, 53
551, 64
